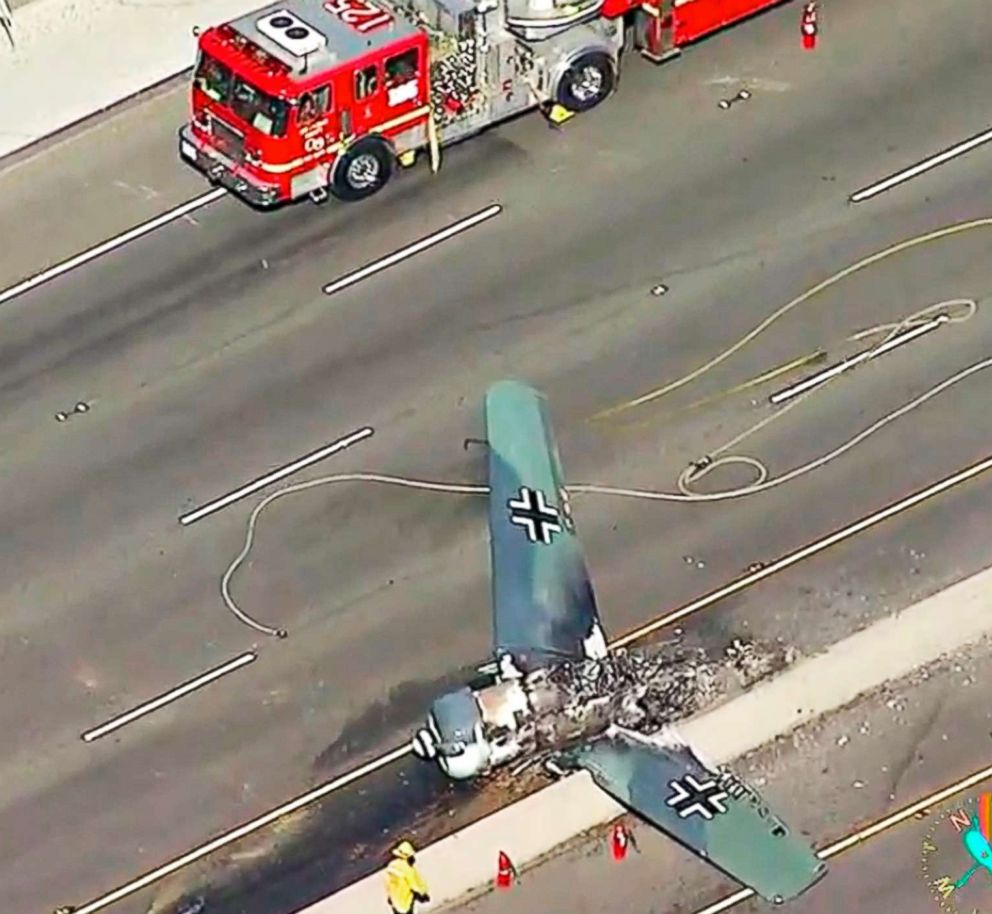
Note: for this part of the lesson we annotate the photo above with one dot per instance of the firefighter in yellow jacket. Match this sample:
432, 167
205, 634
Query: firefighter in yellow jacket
404, 885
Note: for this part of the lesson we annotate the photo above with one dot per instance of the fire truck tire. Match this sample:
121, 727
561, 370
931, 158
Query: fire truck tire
586, 82
362, 170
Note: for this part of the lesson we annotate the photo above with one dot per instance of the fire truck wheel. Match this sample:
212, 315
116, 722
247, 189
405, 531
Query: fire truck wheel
362, 170
587, 82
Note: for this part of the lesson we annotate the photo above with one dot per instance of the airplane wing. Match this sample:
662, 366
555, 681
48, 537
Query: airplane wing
713, 813
544, 609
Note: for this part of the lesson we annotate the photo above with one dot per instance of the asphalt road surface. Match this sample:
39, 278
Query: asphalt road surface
209, 357
831, 779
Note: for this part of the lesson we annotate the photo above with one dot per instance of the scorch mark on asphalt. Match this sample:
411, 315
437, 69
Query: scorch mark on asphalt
240, 832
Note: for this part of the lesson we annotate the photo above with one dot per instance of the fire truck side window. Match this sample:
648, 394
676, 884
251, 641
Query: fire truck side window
401, 68
366, 82
314, 104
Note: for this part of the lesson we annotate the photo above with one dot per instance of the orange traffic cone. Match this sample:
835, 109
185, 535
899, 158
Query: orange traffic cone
809, 26
619, 841
506, 872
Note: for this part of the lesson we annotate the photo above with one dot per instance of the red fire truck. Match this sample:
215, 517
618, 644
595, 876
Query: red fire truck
318, 97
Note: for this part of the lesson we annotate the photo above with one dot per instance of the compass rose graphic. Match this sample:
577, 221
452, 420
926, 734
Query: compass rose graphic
976, 839
957, 852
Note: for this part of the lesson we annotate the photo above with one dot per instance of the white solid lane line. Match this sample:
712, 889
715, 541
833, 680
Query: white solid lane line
838, 536
111, 244
401, 751
867, 833
275, 475
919, 168
154, 704
236, 834
349, 279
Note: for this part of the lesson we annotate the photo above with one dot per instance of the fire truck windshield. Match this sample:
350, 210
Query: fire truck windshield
263, 112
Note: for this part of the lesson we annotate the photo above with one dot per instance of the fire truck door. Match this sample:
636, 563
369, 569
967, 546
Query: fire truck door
317, 120
365, 111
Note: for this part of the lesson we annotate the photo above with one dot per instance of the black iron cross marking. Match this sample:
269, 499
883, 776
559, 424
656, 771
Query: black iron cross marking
534, 514
689, 797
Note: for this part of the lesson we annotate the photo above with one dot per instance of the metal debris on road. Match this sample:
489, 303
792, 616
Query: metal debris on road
752, 662
80, 407
741, 96
646, 690
638, 690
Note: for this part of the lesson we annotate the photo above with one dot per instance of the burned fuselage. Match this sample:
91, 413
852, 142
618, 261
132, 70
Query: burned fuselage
473, 731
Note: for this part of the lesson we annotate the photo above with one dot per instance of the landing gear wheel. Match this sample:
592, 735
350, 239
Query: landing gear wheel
587, 82
362, 170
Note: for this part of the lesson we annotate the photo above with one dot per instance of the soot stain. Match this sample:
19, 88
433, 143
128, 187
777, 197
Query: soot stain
348, 838
404, 707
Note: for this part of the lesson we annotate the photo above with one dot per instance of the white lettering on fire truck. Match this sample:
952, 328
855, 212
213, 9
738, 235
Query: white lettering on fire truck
361, 15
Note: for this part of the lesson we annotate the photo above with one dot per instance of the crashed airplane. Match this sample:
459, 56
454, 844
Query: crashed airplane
555, 693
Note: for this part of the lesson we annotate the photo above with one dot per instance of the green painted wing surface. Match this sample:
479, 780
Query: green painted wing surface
544, 609
715, 814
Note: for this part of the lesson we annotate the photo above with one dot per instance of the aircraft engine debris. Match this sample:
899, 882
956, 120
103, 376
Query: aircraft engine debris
643, 691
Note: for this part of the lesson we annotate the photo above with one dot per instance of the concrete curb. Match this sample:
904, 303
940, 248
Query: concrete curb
464, 863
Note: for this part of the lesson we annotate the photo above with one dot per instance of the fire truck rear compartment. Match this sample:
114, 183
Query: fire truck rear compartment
493, 59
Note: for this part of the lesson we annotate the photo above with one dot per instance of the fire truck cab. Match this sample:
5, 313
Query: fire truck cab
276, 100
318, 97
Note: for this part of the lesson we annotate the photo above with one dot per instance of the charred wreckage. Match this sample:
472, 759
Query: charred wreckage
509, 715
